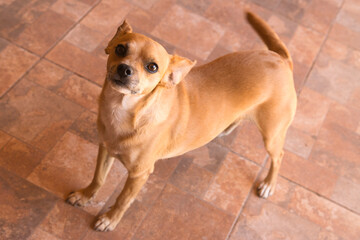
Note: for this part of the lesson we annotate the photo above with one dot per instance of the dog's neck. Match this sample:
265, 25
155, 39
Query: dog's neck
136, 109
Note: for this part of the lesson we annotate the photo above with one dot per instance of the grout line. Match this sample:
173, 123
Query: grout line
320, 195
149, 209
326, 36
47, 51
245, 202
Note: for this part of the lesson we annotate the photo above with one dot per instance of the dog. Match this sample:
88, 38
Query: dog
154, 105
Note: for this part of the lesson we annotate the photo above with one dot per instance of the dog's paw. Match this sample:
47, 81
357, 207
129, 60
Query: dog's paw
266, 189
105, 223
78, 199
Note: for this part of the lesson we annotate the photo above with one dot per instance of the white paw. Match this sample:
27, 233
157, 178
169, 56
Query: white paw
266, 189
77, 199
104, 224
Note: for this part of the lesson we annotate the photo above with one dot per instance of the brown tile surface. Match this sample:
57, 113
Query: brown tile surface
85, 127
4, 138
311, 111
48, 75
71, 9
70, 166
20, 158
249, 143
44, 32
14, 62
305, 45
187, 218
102, 17
18, 14
299, 142
199, 44
81, 91
333, 77
48, 132
84, 38
232, 184
324, 213
22, 204
66, 222
36, 115
191, 178
72, 58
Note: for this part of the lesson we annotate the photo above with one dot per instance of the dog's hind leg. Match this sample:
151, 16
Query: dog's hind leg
273, 127
103, 165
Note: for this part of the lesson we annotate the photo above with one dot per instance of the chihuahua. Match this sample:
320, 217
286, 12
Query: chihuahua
154, 105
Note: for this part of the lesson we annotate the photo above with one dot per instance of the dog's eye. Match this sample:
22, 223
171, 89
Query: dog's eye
152, 67
120, 50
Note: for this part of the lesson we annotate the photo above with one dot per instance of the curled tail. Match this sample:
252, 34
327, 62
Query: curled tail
269, 37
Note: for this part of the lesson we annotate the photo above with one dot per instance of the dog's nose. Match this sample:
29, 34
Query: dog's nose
124, 70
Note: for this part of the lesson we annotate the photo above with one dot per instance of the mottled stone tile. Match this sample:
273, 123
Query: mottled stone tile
283, 27
305, 45
23, 206
69, 166
103, 18
265, 220
248, 143
346, 193
79, 61
84, 37
20, 158
4, 138
40, 234
66, 222
293, 9
182, 35
311, 110
71, 9
48, 75
85, 127
320, 14
44, 32
187, 218
324, 213
317, 178
333, 78
36, 115
232, 184
299, 142
14, 62
165, 167
198, 7
191, 178
346, 28
300, 73
18, 14
145, 4
81, 91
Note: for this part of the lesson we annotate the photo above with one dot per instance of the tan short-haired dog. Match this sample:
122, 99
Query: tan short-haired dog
155, 105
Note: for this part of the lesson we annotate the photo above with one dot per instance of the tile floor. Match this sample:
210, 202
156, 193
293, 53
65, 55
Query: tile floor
52, 66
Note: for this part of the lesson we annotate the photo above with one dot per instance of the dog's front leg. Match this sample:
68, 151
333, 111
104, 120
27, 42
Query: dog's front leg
134, 183
103, 165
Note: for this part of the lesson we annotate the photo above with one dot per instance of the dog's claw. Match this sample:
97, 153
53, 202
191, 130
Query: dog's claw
77, 199
266, 189
104, 224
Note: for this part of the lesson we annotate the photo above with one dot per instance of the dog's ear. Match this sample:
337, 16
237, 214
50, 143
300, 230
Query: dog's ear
178, 68
123, 29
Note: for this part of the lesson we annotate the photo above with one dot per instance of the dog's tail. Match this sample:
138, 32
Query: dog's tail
269, 37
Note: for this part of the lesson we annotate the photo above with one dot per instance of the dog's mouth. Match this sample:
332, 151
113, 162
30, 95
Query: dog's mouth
125, 86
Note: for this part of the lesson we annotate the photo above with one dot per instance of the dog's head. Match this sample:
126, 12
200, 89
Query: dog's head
137, 64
